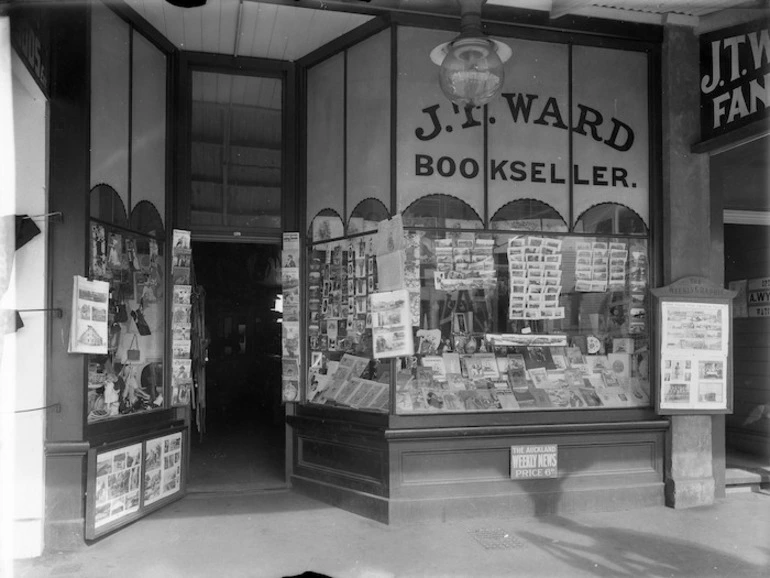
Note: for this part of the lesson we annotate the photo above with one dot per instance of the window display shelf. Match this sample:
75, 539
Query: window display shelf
501, 322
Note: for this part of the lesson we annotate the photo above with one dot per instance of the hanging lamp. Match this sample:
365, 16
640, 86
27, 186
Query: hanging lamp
471, 69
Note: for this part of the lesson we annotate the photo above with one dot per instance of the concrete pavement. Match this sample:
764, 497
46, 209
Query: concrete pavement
282, 533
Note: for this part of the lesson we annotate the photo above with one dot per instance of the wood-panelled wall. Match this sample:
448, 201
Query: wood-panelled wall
747, 256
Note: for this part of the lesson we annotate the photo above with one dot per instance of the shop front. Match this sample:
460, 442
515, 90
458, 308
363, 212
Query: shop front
734, 134
470, 323
110, 415
478, 327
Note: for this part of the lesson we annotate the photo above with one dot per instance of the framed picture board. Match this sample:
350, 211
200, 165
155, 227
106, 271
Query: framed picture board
694, 348
127, 480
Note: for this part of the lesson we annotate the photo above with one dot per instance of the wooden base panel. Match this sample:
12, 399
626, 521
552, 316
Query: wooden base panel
366, 505
396, 511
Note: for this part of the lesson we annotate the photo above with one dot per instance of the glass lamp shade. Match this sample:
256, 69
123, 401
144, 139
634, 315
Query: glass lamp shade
472, 72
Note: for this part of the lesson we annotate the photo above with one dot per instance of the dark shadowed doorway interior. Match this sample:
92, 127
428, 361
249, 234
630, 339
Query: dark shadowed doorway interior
241, 447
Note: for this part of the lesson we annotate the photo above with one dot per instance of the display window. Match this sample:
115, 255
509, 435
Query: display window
521, 316
128, 254
517, 276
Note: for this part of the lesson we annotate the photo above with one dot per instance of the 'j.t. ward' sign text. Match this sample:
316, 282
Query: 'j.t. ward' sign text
532, 109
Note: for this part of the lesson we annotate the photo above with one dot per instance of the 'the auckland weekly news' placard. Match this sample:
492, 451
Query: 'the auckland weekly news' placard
533, 462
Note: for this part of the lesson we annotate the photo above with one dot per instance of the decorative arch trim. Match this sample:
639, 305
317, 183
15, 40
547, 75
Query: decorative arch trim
317, 233
638, 216
384, 211
104, 188
155, 216
558, 214
378, 201
444, 195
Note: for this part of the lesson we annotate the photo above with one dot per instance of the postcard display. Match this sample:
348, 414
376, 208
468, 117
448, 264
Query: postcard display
290, 356
499, 322
181, 324
130, 479
342, 277
695, 320
118, 318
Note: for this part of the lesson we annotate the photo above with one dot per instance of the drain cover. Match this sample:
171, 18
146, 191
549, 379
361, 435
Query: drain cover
495, 539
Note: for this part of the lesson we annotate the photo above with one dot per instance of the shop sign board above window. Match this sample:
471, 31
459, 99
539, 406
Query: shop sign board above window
520, 146
734, 77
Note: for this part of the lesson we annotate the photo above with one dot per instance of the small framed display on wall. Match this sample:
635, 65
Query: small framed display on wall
694, 322
128, 479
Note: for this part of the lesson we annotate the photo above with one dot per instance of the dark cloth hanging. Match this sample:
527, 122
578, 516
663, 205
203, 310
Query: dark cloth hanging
25, 229
10, 321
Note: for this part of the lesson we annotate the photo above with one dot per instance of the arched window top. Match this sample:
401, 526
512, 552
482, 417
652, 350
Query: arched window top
327, 224
366, 215
528, 215
610, 219
441, 211
146, 219
107, 206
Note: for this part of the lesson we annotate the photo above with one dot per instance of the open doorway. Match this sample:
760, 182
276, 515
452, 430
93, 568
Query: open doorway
242, 446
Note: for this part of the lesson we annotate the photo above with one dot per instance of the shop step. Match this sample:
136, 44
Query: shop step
746, 479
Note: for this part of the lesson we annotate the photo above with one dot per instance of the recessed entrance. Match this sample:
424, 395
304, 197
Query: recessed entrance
238, 440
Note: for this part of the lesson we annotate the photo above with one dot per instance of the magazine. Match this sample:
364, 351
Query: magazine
537, 356
517, 372
89, 328
436, 364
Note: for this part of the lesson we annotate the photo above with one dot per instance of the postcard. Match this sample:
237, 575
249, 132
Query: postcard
436, 364
391, 324
88, 328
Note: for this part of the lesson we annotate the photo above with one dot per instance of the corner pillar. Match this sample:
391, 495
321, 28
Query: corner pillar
687, 240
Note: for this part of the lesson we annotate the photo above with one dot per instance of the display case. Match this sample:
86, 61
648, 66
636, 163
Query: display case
501, 320
129, 254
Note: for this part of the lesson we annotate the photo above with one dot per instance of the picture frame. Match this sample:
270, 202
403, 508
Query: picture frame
129, 479
694, 348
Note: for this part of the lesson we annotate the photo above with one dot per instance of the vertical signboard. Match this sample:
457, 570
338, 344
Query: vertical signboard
735, 77
610, 128
368, 122
528, 128
326, 136
440, 146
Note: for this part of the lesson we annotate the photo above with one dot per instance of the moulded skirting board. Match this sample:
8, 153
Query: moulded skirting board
735, 217
408, 511
526, 504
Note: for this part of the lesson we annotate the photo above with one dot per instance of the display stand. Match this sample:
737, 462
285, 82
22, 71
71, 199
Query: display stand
131, 478
694, 343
